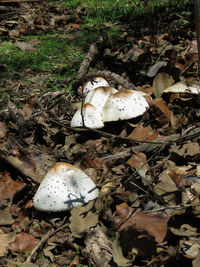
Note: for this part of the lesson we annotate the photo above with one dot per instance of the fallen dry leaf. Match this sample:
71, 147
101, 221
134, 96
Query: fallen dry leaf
6, 217
138, 161
141, 132
5, 240
74, 25
23, 242
185, 61
25, 47
82, 219
94, 162
190, 248
161, 110
9, 187
166, 188
118, 256
3, 129
155, 224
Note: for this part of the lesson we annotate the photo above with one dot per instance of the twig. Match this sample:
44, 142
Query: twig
85, 64
150, 146
108, 75
83, 76
175, 207
139, 187
186, 68
43, 240
114, 136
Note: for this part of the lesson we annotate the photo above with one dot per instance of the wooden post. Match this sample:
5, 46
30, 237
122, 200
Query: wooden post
197, 20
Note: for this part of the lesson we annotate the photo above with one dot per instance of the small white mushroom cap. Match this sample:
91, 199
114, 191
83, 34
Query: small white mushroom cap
182, 87
96, 82
92, 117
64, 187
124, 105
98, 96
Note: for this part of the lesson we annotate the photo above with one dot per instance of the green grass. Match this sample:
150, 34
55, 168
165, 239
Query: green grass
61, 57
54, 53
100, 11
50, 54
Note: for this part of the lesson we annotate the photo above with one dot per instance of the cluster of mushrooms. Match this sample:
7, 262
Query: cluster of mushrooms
103, 103
66, 186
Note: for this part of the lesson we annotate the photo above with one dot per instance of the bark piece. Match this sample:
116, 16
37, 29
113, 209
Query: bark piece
98, 248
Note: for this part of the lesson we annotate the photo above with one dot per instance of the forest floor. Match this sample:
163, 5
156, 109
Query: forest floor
147, 169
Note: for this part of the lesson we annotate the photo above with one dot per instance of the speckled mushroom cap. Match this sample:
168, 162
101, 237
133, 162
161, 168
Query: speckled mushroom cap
98, 96
64, 187
92, 117
96, 82
124, 105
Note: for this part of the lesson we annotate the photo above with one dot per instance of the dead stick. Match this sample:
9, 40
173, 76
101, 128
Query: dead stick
175, 207
93, 51
43, 240
108, 75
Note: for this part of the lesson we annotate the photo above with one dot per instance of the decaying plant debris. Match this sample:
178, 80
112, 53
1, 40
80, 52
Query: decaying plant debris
146, 169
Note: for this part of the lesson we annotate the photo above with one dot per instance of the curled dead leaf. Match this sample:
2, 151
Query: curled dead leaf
155, 224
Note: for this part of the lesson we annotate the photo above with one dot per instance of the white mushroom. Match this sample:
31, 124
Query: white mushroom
92, 117
96, 82
98, 96
124, 105
64, 187
182, 87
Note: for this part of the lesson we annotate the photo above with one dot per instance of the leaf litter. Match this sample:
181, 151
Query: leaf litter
146, 168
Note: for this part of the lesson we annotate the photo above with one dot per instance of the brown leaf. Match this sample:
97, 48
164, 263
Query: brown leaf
141, 132
178, 177
23, 242
25, 47
27, 110
161, 109
5, 240
184, 62
5, 217
27, 160
3, 130
74, 25
189, 150
138, 161
82, 219
155, 224
9, 187
146, 89
89, 162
